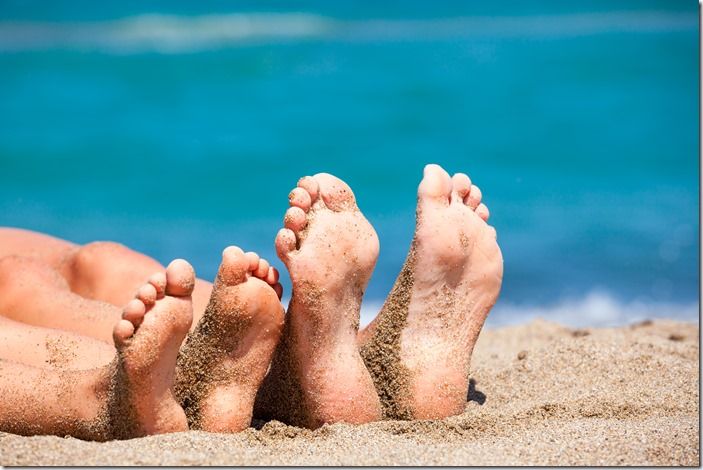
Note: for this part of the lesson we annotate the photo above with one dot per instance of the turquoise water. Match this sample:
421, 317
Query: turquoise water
178, 129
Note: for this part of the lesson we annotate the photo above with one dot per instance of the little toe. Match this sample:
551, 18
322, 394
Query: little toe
299, 197
482, 211
158, 280
278, 288
272, 276
234, 266
295, 219
285, 243
263, 269
474, 197
461, 185
122, 332
147, 294
309, 184
134, 312
336, 194
435, 184
180, 278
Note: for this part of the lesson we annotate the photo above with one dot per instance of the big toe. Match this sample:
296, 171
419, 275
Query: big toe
180, 278
123, 330
234, 266
336, 194
435, 184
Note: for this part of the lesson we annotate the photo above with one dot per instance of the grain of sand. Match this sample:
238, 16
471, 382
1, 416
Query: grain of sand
541, 394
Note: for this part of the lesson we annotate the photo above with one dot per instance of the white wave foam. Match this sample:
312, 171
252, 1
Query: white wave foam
595, 309
180, 34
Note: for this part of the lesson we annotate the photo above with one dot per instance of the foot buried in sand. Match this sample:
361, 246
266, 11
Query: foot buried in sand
330, 249
418, 348
153, 326
225, 358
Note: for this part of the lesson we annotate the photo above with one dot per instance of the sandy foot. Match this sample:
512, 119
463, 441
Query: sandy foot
224, 360
330, 250
153, 326
419, 347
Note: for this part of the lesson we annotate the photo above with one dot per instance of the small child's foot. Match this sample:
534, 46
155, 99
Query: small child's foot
225, 358
141, 400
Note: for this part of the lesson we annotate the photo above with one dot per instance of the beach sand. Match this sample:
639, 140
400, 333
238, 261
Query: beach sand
541, 394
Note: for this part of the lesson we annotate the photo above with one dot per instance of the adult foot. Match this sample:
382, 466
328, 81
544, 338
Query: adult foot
418, 348
330, 250
153, 326
225, 358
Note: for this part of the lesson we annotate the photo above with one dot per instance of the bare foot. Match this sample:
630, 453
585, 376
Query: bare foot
330, 250
419, 347
224, 360
153, 325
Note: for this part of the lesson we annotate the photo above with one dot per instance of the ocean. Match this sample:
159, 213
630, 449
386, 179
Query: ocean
178, 128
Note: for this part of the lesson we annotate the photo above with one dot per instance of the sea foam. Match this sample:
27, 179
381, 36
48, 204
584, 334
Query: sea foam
172, 34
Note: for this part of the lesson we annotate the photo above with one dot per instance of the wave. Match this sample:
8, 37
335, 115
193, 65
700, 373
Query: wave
595, 309
170, 34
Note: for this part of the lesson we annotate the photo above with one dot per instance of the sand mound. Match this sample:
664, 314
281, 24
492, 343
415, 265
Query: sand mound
541, 394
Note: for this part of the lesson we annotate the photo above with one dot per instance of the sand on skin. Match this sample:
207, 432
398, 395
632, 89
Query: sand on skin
616, 396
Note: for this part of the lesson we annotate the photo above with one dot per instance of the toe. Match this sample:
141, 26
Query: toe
234, 267
493, 232
147, 294
180, 278
474, 197
336, 194
461, 184
158, 280
278, 288
435, 184
122, 332
482, 211
299, 197
253, 259
272, 276
295, 219
285, 243
263, 269
309, 184
134, 312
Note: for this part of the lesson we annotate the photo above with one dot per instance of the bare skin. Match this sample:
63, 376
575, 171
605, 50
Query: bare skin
50, 348
130, 397
431, 320
52, 283
224, 360
330, 250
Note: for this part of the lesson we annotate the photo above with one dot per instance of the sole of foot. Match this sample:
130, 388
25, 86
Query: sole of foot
141, 399
419, 347
225, 358
330, 249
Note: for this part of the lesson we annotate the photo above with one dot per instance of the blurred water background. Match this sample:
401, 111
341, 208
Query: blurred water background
178, 128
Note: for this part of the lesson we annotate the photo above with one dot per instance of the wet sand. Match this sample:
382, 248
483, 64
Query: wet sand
541, 394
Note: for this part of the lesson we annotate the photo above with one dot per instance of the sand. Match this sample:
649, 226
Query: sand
541, 394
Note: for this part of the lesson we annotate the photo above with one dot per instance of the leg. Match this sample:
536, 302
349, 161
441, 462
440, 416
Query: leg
419, 347
53, 283
34, 293
330, 249
50, 250
51, 349
111, 272
43, 401
130, 397
224, 360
